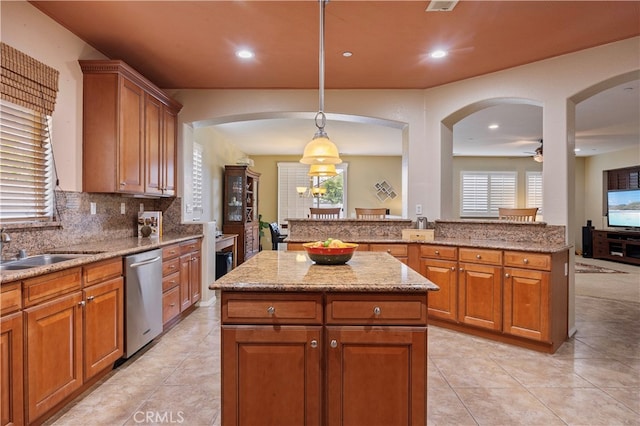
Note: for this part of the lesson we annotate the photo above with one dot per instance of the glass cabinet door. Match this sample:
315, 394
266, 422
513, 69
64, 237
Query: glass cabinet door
234, 203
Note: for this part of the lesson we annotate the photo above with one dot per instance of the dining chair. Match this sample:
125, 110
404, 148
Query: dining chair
518, 215
276, 236
325, 213
377, 213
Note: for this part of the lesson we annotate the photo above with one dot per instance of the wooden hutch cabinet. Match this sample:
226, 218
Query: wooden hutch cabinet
129, 132
241, 209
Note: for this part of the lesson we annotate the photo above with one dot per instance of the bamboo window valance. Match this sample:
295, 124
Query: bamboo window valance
28, 82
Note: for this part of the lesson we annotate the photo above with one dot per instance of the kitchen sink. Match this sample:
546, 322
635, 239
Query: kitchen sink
37, 260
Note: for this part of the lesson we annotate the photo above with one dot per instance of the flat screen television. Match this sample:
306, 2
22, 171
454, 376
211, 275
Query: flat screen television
623, 208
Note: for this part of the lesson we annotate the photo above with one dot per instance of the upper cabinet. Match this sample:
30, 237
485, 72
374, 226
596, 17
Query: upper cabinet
129, 132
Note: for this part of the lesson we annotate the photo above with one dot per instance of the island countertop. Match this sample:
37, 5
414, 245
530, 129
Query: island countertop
293, 271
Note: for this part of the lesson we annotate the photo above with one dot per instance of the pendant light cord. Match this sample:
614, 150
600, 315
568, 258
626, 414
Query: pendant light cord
321, 70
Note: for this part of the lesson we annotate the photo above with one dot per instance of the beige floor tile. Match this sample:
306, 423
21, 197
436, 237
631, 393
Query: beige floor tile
474, 373
535, 373
630, 397
445, 408
603, 372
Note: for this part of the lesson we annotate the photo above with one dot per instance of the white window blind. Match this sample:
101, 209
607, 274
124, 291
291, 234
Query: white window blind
534, 190
26, 169
483, 192
196, 197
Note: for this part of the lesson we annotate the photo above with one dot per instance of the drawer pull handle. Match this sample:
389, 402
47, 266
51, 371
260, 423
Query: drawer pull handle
271, 310
90, 298
507, 275
314, 344
438, 252
377, 311
478, 256
172, 305
334, 344
525, 260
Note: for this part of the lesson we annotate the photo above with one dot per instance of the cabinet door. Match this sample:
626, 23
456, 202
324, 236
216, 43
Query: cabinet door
480, 296
526, 304
53, 353
195, 276
272, 375
131, 144
169, 151
444, 302
11, 363
103, 320
185, 281
153, 145
376, 375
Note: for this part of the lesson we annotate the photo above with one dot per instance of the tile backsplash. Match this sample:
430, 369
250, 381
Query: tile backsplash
75, 223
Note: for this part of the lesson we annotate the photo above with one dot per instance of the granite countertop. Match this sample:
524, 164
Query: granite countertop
97, 250
294, 271
461, 242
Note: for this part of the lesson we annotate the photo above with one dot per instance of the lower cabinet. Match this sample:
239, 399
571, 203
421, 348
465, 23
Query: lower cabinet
190, 275
11, 379
480, 295
312, 358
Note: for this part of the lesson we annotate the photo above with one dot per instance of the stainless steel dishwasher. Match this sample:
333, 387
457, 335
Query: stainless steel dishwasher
143, 297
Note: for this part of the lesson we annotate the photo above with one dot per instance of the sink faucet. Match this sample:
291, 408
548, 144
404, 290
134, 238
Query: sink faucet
4, 238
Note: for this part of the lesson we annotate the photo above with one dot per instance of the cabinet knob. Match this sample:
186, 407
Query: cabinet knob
334, 343
377, 311
438, 252
461, 269
478, 256
123, 183
453, 268
507, 275
314, 343
90, 298
389, 251
525, 260
271, 310
81, 303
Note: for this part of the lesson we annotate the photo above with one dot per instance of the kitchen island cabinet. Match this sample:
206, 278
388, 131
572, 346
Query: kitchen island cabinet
289, 328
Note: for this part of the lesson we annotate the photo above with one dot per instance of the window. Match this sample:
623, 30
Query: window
483, 192
534, 190
196, 174
294, 175
26, 170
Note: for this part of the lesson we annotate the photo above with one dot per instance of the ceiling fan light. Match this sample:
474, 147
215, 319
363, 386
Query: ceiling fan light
538, 157
322, 170
320, 151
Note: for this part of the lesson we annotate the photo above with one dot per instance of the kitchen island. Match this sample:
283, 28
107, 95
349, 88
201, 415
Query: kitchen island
317, 344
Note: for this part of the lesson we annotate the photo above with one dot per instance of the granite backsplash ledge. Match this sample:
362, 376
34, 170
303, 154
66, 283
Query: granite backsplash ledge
499, 230
75, 224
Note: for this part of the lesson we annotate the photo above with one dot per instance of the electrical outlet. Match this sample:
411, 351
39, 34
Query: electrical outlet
418, 208
123, 208
141, 207
93, 208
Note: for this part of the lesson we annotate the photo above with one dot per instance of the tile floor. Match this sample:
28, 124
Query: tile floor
594, 378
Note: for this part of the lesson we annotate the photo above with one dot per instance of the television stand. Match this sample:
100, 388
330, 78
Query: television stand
618, 246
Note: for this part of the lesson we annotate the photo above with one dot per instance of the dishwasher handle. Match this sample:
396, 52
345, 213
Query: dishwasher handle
144, 262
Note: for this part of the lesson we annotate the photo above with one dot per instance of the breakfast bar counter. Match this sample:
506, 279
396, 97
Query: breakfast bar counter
313, 344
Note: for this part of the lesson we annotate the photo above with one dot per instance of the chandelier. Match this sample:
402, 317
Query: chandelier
321, 150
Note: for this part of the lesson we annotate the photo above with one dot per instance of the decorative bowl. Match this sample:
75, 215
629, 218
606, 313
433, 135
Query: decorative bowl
330, 255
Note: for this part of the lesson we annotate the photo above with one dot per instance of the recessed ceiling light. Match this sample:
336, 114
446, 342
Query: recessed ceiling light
347, 54
576, 149
438, 54
493, 126
245, 54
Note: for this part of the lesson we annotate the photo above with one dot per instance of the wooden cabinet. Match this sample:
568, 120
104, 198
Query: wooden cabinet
103, 316
129, 132
240, 213
369, 359
170, 283
399, 251
619, 246
440, 265
190, 275
11, 356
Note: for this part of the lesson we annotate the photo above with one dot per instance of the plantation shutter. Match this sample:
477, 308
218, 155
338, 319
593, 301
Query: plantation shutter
484, 192
534, 190
197, 180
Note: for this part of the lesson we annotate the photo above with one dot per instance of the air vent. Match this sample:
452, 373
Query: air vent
441, 6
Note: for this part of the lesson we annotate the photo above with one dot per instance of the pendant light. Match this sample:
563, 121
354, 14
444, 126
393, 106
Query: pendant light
321, 150
322, 170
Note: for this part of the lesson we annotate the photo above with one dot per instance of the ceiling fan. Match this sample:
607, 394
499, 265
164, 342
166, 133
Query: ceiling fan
537, 154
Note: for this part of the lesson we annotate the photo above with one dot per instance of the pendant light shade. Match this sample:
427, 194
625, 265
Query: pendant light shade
322, 170
321, 150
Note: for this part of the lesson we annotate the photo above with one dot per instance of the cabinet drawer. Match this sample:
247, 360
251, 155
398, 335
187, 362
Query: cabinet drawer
487, 257
170, 304
439, 252
266, 308
170, 252
189, 246
102, 271
389, 309
519, 259
170, 266
392, 249
45, 287
10, 298
170, 281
